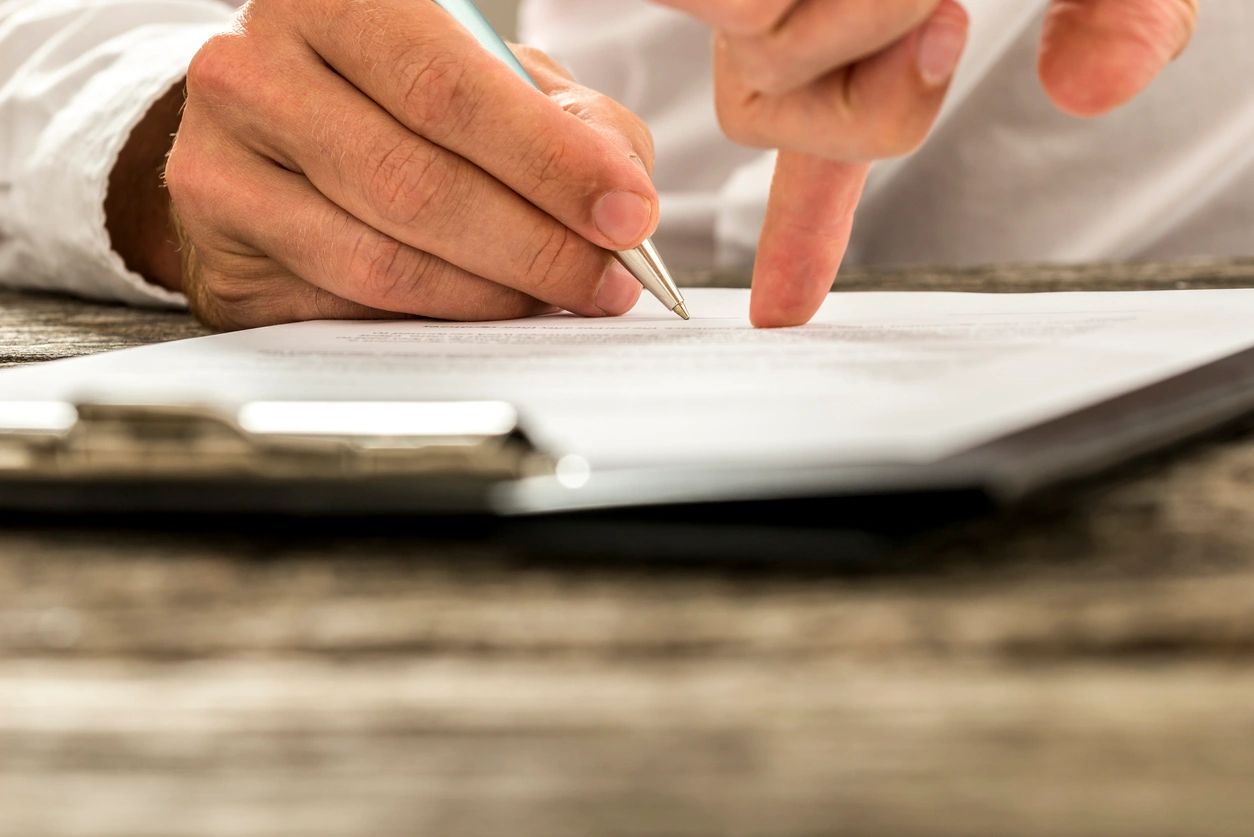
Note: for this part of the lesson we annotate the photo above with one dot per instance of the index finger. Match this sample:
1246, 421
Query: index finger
430, 74
808, 224
738, 17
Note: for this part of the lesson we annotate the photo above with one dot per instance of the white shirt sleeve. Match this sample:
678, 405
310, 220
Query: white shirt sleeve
76, 77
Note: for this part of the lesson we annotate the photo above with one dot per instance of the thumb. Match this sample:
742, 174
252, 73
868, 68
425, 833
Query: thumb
808, 223
1098, 54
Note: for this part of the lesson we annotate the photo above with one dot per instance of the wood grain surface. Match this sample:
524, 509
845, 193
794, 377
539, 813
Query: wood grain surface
1082, 667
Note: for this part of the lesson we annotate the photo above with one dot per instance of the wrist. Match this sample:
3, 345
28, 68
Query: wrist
137, 206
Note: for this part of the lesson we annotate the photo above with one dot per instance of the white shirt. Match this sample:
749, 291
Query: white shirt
1005, 176
76, 76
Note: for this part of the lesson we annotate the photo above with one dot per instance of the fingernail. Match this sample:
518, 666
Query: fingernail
940, 49
618, 292
639, 161
623, 218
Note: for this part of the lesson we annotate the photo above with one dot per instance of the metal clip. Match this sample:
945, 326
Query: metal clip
281, 440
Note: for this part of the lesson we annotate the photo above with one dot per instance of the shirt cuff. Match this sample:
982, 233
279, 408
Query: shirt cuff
62, 191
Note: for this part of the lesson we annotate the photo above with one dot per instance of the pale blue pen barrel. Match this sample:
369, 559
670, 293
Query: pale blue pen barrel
468, 15
644, 262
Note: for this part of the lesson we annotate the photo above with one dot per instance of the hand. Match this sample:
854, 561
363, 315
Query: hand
836, 84
345, 159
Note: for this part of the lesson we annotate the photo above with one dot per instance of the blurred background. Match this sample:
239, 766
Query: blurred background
503, 14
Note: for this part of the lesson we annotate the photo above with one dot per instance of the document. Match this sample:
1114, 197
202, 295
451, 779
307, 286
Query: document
876, 377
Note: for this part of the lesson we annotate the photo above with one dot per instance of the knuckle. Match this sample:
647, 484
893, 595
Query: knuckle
761, 68
558, 264
189, 180
215, 70
324, 305
741, 124
320, 304
547, 162
178, 173
386, 272
438, 91
901, 134
406, 180
229, 292
647, 149
199, 301
608, 117
634, 128
211, 306
645, 143
740, 111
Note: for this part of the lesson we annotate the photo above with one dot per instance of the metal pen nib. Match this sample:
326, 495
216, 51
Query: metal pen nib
647, 266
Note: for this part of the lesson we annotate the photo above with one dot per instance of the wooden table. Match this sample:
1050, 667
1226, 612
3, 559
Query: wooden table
1081, 668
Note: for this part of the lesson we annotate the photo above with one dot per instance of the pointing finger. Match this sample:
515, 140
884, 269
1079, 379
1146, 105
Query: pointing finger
808, 223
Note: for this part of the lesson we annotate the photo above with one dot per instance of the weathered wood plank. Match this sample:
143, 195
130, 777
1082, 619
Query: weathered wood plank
571, 747
39, 327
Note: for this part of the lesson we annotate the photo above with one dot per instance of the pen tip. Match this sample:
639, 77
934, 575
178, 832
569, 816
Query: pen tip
682, 311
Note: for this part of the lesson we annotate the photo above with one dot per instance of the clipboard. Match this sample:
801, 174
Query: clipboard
476, 458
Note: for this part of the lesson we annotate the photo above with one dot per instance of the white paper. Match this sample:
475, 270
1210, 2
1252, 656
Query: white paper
876, 376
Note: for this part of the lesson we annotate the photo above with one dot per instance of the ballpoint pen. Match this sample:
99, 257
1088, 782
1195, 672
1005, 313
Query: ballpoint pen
644, 262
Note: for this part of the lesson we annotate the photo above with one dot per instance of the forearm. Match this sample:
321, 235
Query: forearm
137, 207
